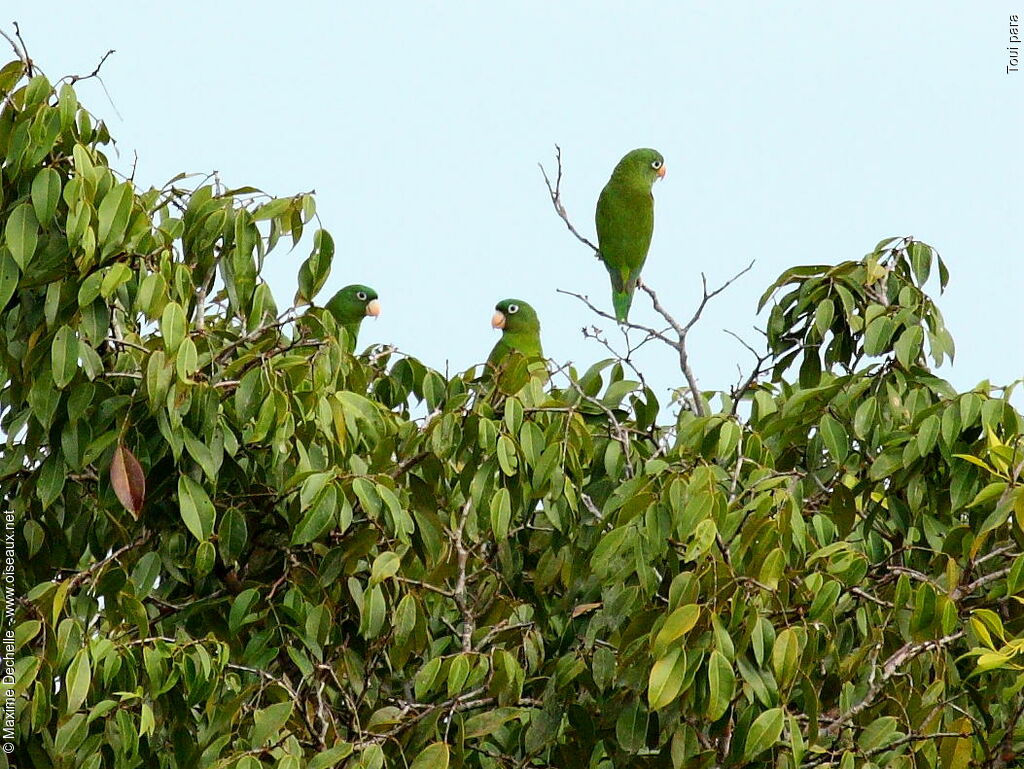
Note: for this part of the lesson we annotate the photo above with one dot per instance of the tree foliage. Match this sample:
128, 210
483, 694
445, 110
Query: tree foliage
240, 545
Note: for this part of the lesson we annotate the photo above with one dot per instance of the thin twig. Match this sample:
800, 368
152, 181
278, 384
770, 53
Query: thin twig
890, 667
21, 53
72, 79
556, 199
85, 573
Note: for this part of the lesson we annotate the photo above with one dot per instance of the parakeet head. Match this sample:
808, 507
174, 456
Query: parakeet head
514, 316
353, 303
641, 164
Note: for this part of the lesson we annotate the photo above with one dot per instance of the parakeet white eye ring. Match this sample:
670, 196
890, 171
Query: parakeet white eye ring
361, 296
513, 308
656, 164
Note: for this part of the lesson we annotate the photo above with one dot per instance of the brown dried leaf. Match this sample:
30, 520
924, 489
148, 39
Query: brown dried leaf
583, 608
128, 480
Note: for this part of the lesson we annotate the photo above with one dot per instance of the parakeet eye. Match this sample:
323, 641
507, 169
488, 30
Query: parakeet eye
513, 309
656, 164
361, 296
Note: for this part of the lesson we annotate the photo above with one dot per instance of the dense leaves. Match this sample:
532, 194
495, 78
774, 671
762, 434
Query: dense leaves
239, 545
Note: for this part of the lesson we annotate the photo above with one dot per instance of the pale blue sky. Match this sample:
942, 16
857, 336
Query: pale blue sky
798, 134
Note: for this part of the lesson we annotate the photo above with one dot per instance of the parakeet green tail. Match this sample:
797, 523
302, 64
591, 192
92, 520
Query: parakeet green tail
622, 299
625, 222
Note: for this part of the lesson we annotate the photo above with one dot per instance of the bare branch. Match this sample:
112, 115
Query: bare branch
72, 79
742, 388
459, 593
20, 51
652, 333
890, 668
83, 575
965, 590
425, 586
555, 191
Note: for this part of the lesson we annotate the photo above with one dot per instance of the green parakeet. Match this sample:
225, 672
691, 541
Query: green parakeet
625, 222
350, 305
520, 332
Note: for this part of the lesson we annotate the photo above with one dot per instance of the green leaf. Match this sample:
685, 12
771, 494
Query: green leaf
152, 296
928, 434
789, 276
79, 677
315, 270
786, 656
721, 685
46, 194
835, 437
864, 418
232, 535
458, 672
608, 547
976, 461
267, 723
112, 216
908, 346
172, 327
702, 540
958, 752
11, 73
329, 759
823, 315
666, 679
405, 618
501, 513
877, 734
22, 234
878, 335
373, 614
318, 517
507, 459
206, 556
158, 378
197, 510
1015, 579
679, 623
824, 600
117, 275
763, 733
426, 677
631, 728
64, 356
487, 723
239, 614
9, 276
923, 615
385, 566
70, 735
772, 568
432, 757
369, 499
921, 261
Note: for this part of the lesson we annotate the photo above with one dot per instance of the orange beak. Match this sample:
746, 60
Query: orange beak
661, 172
498, 321
373, 308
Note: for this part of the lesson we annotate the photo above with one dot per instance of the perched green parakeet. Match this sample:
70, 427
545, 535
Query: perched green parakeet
350, 305
625, 222
520, 332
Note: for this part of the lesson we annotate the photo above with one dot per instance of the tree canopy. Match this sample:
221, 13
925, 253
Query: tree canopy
241, 545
